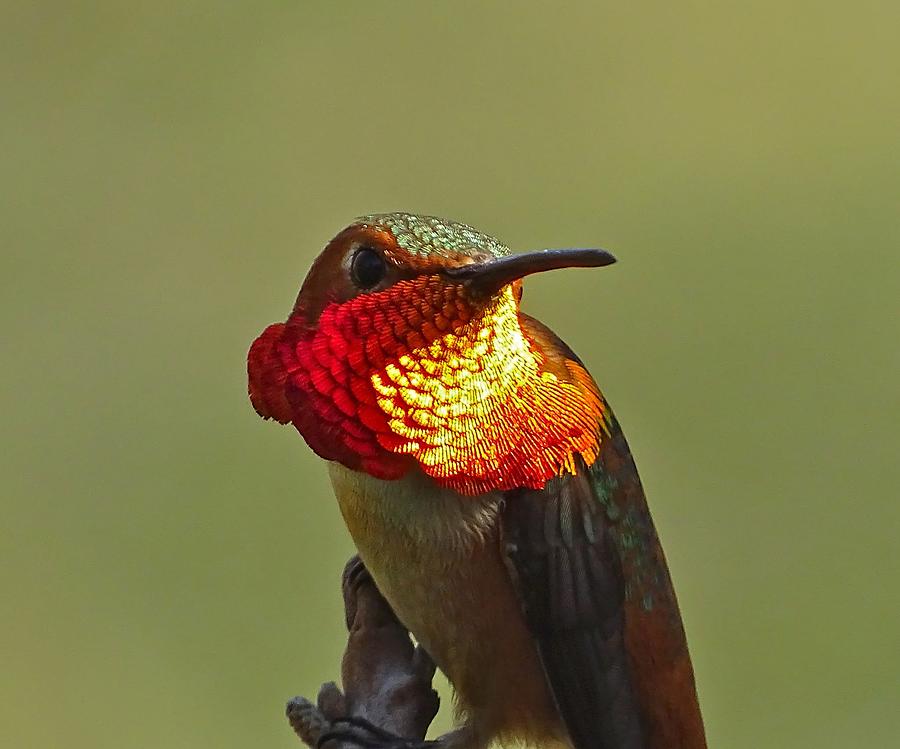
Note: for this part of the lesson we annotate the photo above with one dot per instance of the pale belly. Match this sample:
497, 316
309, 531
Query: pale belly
435, 557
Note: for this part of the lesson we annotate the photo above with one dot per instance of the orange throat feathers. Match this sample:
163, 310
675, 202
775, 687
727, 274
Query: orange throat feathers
419, 374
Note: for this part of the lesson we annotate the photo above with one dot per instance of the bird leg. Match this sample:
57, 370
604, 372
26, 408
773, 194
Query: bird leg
388, 701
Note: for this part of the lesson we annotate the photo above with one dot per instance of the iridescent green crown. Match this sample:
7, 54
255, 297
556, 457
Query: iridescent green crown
427, 236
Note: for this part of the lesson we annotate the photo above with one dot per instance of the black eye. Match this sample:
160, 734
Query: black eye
367, 268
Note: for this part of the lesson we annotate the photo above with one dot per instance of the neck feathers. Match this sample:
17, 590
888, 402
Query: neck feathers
480, 397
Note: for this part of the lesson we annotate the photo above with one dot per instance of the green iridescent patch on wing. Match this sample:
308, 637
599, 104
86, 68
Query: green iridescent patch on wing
633, 534
427, 236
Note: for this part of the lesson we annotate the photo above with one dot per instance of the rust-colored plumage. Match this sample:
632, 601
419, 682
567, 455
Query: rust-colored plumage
486, 484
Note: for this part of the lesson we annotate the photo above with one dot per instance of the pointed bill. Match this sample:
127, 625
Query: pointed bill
492, 275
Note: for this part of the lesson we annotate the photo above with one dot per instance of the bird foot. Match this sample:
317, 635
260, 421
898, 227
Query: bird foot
356, 731
386, 678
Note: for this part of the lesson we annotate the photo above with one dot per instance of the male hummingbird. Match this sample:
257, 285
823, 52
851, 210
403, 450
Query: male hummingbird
486, 484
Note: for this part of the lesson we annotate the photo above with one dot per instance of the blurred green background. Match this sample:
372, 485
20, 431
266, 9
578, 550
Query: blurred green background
169, 562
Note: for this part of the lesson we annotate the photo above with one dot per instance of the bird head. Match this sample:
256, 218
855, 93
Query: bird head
406, 347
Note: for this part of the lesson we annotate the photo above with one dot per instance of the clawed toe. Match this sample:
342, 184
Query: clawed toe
363, 733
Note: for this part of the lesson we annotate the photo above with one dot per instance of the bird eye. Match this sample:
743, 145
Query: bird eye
367, 268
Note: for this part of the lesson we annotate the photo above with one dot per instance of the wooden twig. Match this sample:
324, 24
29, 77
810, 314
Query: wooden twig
386, 679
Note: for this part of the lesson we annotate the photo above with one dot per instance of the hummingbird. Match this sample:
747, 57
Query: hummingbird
486, 484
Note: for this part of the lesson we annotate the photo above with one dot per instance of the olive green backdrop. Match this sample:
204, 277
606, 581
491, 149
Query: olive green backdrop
169, 563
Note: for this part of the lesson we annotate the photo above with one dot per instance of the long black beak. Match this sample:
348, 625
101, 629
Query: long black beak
492, 275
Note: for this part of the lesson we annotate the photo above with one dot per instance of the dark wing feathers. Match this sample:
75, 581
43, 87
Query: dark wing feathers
562, 556
596, 592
